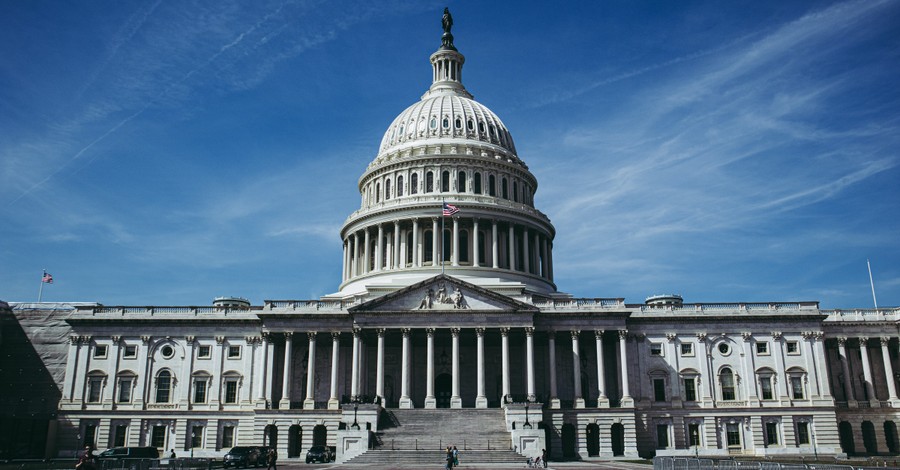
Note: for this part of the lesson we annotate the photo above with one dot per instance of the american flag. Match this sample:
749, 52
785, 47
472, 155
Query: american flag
48, 278
450, 209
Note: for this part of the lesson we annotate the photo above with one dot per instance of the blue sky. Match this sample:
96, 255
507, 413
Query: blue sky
164, 153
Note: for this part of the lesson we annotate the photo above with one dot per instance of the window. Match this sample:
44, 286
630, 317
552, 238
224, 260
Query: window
458, 123
470, 125
481, 127
158, 437
656, 349
90, 434
377, 192
477, 185
120, 435
200, 390
797, 387
461, 182
727, 381
662, 436
492, 185
167, 351
802, 433
687, 349
733, 434
196, 436
231, 387
690, 389
724, 349
95, 387
163, 386
400, 186
793, 347
772, 433
414, 184
387, 189
765, 385
125, 384
204, 351
130, 351
694, 435
100, 351
429, 182
659, 389
445, 182
228, 436
234, 352
515, 191
504, 192
762, 348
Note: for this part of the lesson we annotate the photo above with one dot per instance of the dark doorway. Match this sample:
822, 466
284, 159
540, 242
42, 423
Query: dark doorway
320, 435
548, 437
890, 437
868, 434
593, 439
294, 435
568, 441
845, 434
442, 390
270, 436
617, 438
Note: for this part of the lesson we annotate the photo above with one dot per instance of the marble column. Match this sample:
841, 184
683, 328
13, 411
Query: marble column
395, 251
366, 266
454, 258
310, 402
455, 399
435, 236
333, 402
602, 399
405, 401
285, 402
379, 248
623, 347
867, 371
480, 399
551, 347
821, 361
845, 369
504, 357
379, 367
888, 368
354, 257
417, 258
511, 248
537, 255
529, 363
476, 262
576, 369
354, 366
545, 272
494, 248
430, 401
526, 253
263, 371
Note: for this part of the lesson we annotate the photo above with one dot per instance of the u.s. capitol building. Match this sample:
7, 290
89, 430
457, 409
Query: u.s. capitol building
465, 332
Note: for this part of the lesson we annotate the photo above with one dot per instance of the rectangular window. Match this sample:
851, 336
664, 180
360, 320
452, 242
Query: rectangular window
200, 391
100, 351
656, 349
694, 435
234, 352
197, 436
733, 434
130, 351
125, 390
158, 437
228, 437
797, 387
120, 436
762, 348
802, 433
687, 349
793, 347
659, 390
690, 389
765, 385
90, 435
772, 434
203, 351
95, 385
662, 436
231, 391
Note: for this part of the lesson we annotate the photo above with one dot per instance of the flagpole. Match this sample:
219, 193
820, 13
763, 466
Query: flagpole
41, 291
872, 283
442, 235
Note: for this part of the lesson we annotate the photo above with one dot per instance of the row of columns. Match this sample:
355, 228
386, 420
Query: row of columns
455, 399
868, 382
537, 247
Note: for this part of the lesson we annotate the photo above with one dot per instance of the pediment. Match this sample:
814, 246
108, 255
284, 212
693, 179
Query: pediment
443, 293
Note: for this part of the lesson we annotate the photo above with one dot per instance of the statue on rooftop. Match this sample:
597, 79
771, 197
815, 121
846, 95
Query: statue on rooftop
447, 23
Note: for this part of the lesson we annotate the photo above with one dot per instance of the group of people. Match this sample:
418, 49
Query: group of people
538, 462
452, 457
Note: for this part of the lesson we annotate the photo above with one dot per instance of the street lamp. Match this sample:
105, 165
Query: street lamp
193, 435
527, 425
355, 424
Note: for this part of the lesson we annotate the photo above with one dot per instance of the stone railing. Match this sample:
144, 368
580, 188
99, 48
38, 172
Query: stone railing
869, 314
579, 304
310, 306
755, 307
436, 199
173, 311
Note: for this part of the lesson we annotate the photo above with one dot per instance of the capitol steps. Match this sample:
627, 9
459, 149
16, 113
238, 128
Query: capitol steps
434, 458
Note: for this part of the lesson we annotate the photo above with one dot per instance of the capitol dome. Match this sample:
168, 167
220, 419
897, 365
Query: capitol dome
447, 194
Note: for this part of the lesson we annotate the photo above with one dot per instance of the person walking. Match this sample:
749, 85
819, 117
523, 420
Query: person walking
544, 457
87, 460
449, 459
455, 457
272, 458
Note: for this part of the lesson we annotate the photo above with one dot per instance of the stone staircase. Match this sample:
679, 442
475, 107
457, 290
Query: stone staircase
418, 437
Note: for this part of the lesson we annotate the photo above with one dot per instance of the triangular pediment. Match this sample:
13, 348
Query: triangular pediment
443, 293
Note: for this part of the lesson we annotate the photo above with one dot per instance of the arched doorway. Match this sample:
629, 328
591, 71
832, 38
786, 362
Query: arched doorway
320, 435
568, 441
294, 440
845, 434
617, 438
442, 390
890, 436
593, 439
868, 434
548, 437
270, 436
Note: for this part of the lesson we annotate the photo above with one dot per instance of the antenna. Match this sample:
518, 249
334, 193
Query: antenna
872, 283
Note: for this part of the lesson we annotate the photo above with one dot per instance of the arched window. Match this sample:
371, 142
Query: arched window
463, 246
400, 186
409, 248
377, 192
387, 189
448, 244
458, 123
470, 125
504, 192
433, 123
480, 127
446, 123
492, 185
515, 191
477, 185
461, 182
426, 247
429, 182
95, 382
163, 386
726, 380
414, 184
482, 254
445, 181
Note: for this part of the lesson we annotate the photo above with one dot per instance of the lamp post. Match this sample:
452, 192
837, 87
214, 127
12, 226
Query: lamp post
355, 424
77, 444
815, 447
193, 435
527, 425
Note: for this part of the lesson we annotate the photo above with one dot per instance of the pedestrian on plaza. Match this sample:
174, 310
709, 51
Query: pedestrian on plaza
544, 457
87, 460
272, 458
449, 459
171, 453
455, 457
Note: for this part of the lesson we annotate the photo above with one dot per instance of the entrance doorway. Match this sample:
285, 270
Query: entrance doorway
270, 436
320, 435
294, 439
617, 438
845, 434
443, 385
593, 439
568, 441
